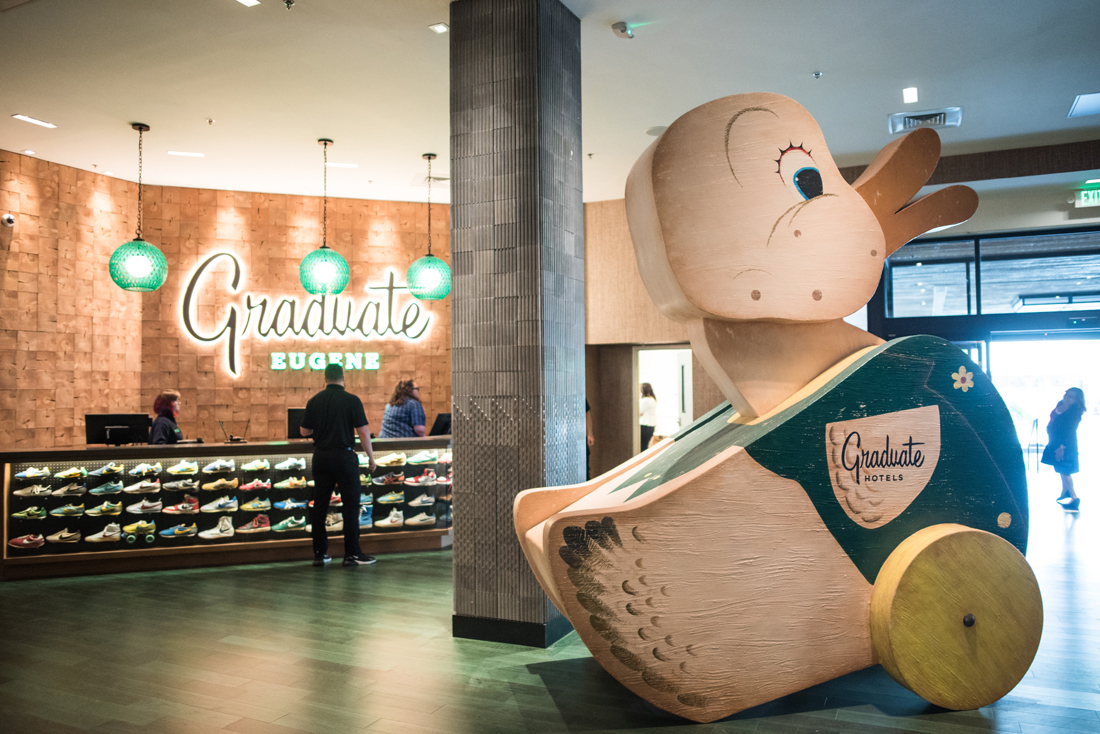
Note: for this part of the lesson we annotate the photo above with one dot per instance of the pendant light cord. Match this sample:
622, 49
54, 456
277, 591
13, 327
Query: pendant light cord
324, 219
141, 199
429, 207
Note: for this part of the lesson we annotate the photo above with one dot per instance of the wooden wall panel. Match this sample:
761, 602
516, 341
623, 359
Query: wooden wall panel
618, 309
71, 342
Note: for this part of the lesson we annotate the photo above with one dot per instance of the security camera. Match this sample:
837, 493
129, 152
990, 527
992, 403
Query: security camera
8, 220
622, 30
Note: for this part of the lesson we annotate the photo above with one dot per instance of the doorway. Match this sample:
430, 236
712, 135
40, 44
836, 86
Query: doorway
668, 371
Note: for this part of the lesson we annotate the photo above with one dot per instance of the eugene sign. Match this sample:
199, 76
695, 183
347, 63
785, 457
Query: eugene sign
288, 318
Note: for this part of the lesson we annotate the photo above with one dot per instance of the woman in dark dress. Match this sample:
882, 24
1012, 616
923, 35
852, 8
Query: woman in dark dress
167, 408
1061, 451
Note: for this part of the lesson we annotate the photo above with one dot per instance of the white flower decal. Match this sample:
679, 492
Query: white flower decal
963, 380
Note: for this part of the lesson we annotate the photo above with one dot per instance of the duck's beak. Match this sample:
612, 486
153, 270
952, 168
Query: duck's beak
896, 174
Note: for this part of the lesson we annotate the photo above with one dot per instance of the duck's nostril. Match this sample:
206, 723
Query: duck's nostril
817, 295
755, 295
798, 233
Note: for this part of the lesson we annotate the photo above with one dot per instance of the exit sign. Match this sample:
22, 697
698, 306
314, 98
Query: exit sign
1087, 198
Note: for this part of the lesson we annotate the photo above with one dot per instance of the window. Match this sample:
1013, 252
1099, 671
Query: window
1059, 272
931, 279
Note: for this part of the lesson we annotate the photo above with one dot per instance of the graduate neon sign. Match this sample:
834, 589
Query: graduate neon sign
319, 317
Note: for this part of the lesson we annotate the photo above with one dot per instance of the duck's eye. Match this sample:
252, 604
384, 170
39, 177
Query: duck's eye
808, 182
799, 172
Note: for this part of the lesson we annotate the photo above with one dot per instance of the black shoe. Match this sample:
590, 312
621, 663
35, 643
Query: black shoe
1072, 505
321, 560
359, 560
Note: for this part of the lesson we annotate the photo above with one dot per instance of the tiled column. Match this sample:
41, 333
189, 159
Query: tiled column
518, 311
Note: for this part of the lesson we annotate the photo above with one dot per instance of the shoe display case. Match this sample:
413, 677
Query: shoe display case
112, 509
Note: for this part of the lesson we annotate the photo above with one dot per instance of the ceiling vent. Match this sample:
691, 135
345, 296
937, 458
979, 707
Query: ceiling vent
902, 122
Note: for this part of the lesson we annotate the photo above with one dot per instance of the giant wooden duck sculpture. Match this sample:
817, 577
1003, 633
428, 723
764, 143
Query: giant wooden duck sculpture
855, 502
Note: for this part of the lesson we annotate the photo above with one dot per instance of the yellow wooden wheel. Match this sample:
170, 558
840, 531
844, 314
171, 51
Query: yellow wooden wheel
956, 616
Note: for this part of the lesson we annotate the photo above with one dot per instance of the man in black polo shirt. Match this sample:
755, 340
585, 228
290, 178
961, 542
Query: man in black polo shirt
333, 417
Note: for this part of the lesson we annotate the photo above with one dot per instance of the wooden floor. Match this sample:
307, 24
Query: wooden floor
289, 648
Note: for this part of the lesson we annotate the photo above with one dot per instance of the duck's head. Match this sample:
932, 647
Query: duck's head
737, 211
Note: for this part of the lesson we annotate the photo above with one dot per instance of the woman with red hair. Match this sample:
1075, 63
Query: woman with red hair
167, 408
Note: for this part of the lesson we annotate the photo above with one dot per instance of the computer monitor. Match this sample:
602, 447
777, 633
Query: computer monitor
442, 425
115, 429
294, 418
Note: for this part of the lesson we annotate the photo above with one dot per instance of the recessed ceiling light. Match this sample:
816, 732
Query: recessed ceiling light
330, 164
33, 121
249, 3
108, 173
1084, 105
909, 95
1093, 180
28, 152
440, 27
186, 154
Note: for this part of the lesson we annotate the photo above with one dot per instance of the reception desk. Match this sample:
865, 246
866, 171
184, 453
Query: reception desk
41, 506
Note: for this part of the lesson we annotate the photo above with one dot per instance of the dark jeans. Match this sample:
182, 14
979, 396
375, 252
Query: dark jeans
335, 469
647, 433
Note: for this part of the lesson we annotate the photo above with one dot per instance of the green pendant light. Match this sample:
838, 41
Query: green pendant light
137, 265
429, 278
324, 271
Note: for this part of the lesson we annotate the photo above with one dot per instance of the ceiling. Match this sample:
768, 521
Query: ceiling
371, 75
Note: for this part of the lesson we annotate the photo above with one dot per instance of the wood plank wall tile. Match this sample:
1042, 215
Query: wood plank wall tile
71, 342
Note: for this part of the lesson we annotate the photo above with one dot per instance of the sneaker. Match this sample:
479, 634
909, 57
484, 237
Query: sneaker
365, 518
257, 505
219, 484
311, 484
109, 534
64, 536
107, 470
334, 523
445, 457
364, 480
364, 460
145, 507
334, 501
257, 465
392, 498
421, 520
35, 490
68, 511
72, 473
291, 483
446, 498
108, 488
292, 465
321, 560
107, 508
141, 527
365, 499
189, 506
291, 504
427, 479
424, 500
360, 559
144, 470
258, 524
395, 520
394, 477
291, 523
180, 531
70, 490
394, 459
27, 541
447, 480
184, 467
143, 487
183, 485
428, 456
33, 473
224, 529
222, 504
31, 513
220, 466
256, 484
